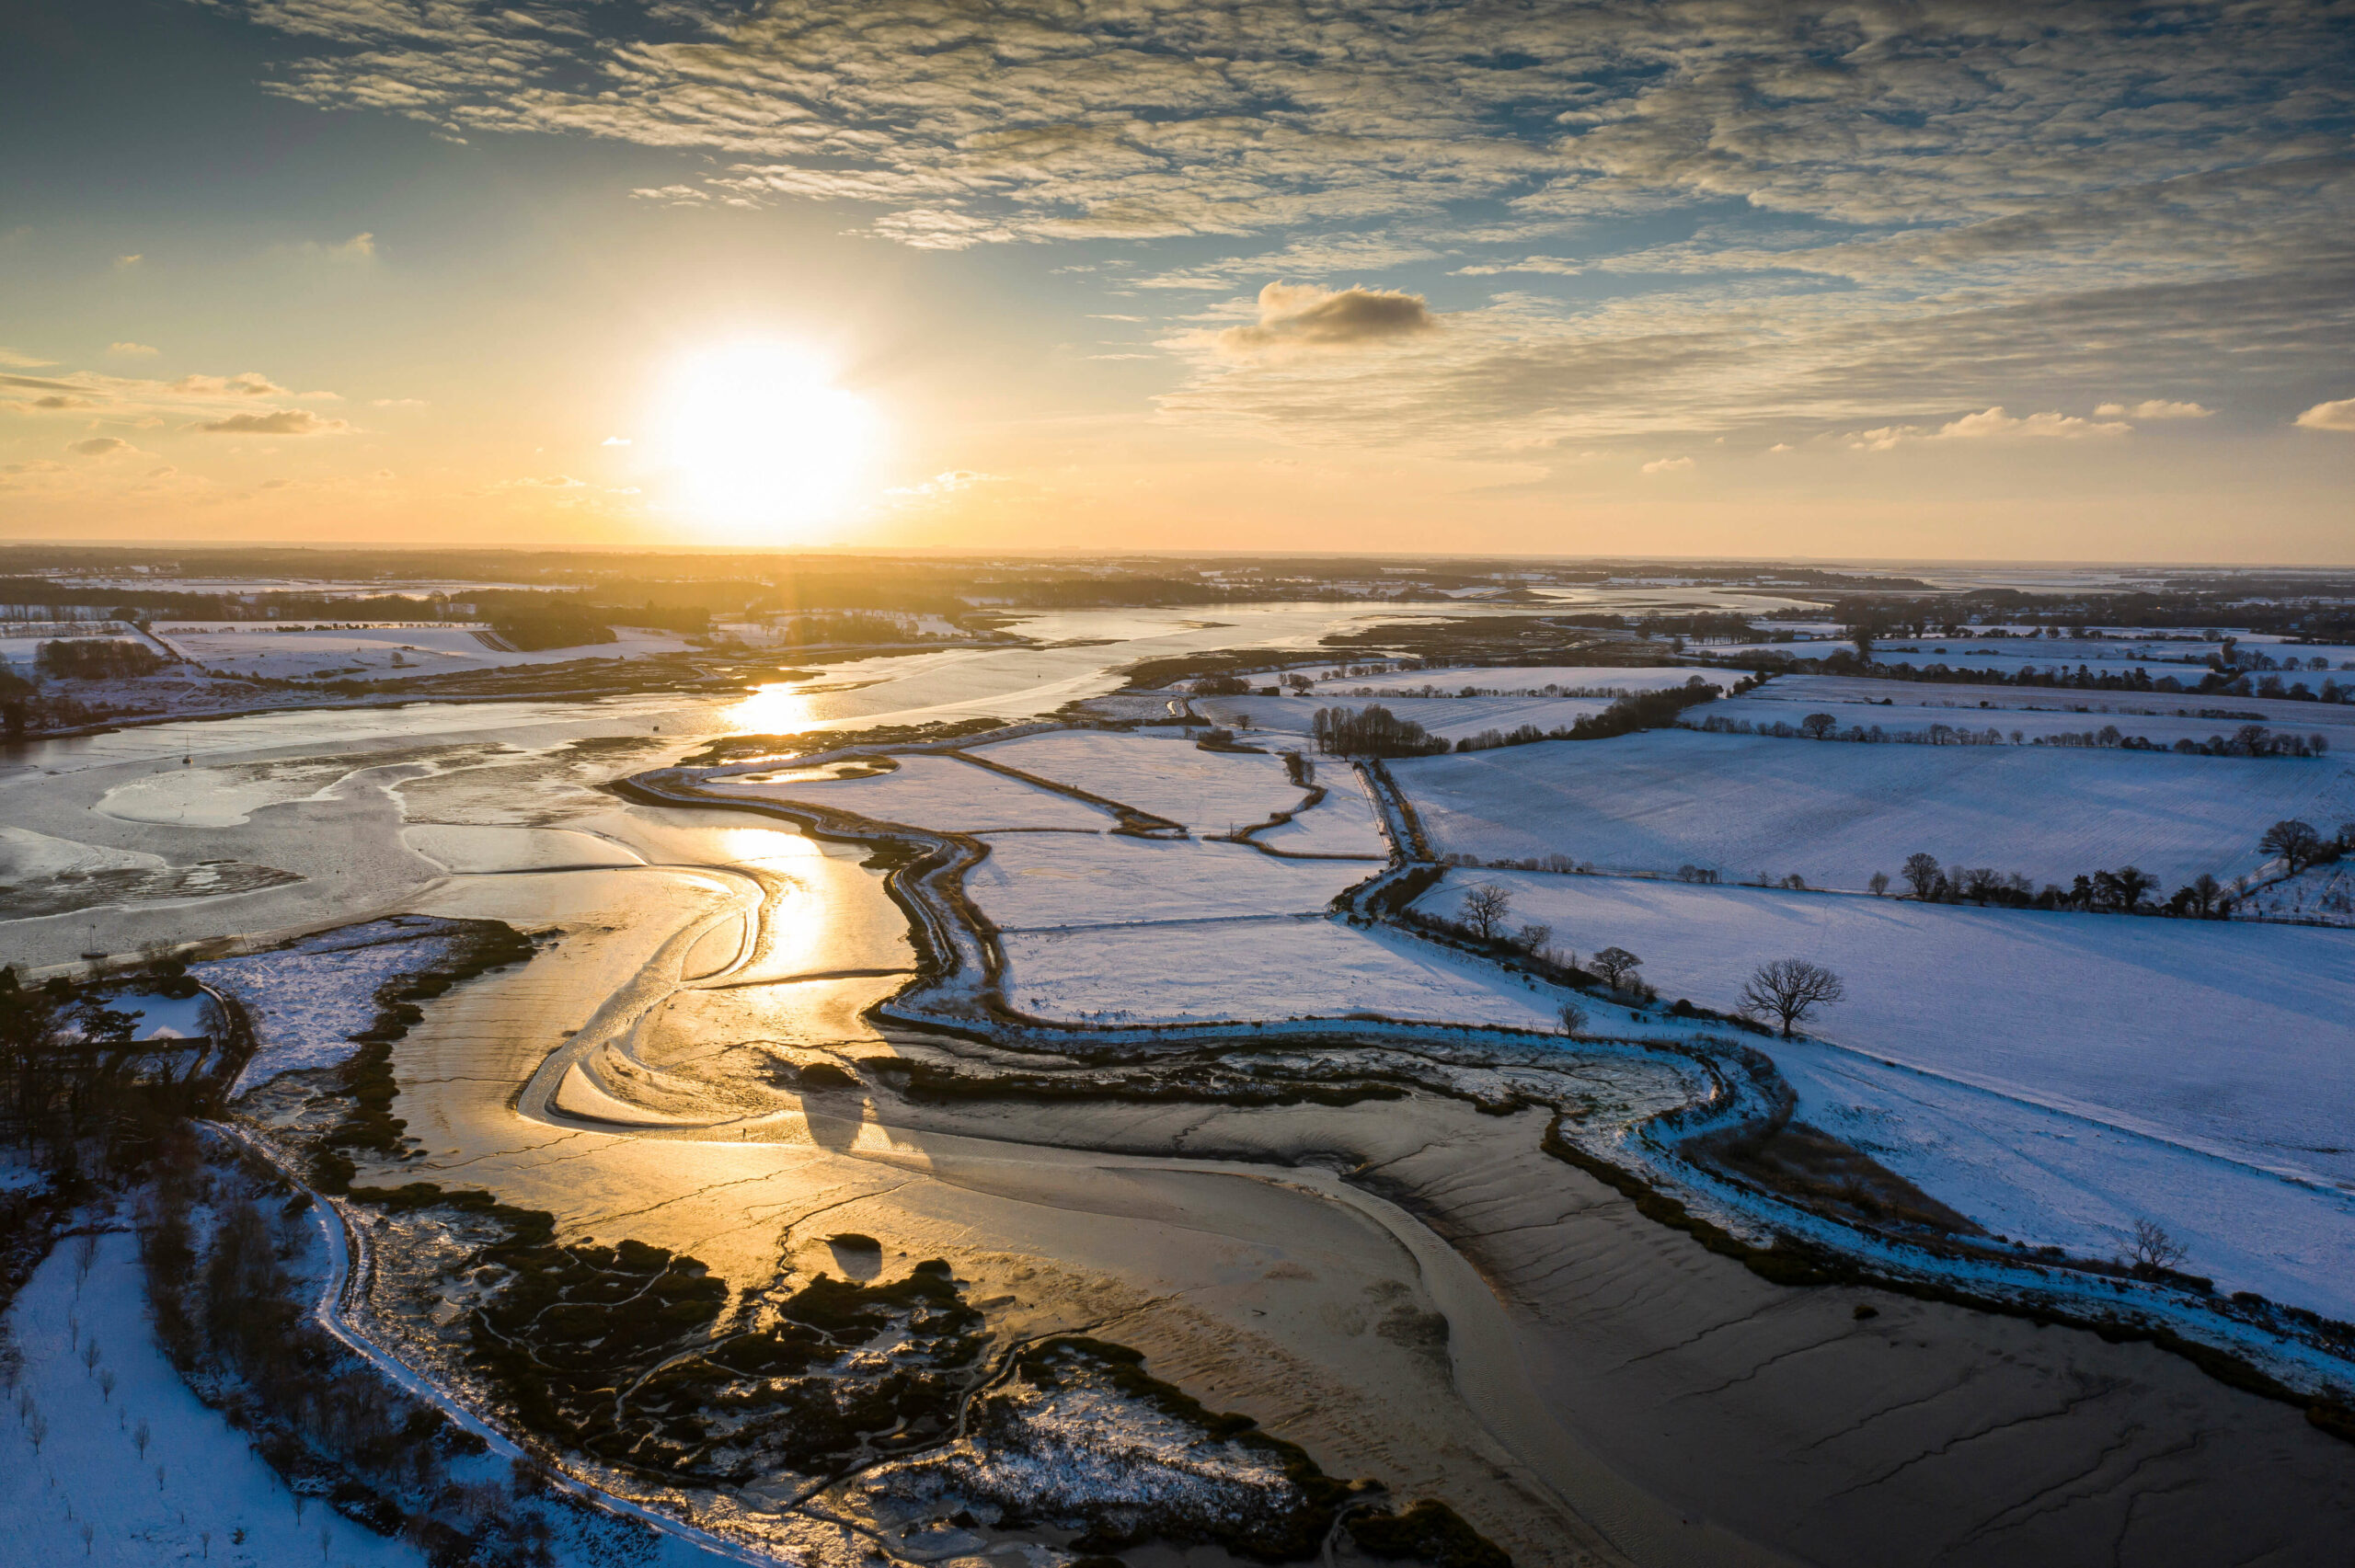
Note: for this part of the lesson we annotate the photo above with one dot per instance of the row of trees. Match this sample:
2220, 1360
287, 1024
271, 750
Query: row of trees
2248, 741
2128, 890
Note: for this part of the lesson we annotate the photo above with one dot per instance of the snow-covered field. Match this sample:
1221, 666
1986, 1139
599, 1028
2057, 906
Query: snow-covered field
2335, 721
1960, 705
1342, 823
390, 651
1834, 814
1033, 880
1450, 717
2185, 660
1282, 968
2055, 1076
1208, 791
197, 1492
932, 791
1517, 680
308, 1000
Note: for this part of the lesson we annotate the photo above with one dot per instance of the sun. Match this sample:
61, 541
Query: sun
762, 444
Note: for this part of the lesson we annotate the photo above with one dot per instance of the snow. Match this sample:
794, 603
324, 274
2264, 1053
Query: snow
2089, 709
1519, 679
308, 1000
203, 798
1450, 717
2186, 660
931, 792
89, 1468
1033, 880
2054, 1076
1207, 791
289, 650
1270, 968
1835, 813
1341, 823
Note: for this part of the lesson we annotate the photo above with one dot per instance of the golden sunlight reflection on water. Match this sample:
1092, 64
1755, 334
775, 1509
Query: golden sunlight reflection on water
775, 709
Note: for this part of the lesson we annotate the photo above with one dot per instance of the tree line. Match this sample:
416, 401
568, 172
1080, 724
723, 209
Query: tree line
2248, 741
2129, 891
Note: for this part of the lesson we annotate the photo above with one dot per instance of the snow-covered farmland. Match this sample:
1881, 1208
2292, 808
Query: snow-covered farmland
2055, 1076
1845, 697
1834, 814
391, 651
2186, 660
931, 792
1450, 717
1272, 969
1516, 680
1341, 823
1033, 880
1208, 791
2030, 725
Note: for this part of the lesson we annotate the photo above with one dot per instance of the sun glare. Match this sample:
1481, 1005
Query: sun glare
764, 445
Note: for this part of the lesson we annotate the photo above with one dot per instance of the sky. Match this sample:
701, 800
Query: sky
1703, 277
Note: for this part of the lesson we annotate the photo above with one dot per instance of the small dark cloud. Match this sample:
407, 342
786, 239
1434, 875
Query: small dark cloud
1304, 316
97, 446
277, 422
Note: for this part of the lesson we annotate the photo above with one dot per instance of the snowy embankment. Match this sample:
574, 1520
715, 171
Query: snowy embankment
2054, 1076
1517, 680
149, 1471
1752, 806
1341, 823
392, 651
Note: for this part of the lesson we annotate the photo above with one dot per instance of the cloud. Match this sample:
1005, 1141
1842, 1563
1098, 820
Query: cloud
132, 350
359, 247
2337, 415
276, 422
245, 384
396, 403
548, 482
1300, 315
2154, 408
1669, 466
134, 260
11, 360
614, 440
1558, 266
98, 446
1989, 424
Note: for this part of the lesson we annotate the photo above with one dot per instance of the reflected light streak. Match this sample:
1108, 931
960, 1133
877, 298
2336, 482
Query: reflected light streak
776, 709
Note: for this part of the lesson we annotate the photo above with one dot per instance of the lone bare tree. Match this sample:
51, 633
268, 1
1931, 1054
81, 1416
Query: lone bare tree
1818, 726
1790, 989
2151, 1250
1615, 965
1533, 937
1878, 883
1921, 873
1485, 905
1573, 1018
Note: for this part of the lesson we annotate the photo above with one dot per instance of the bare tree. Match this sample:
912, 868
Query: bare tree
1818, 726
2296, 843
141, 1438
1921, 873
2150, 1249
1573, 1018
1485, 905
1616, 965
1533, 937
1790, 989
1878, 883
